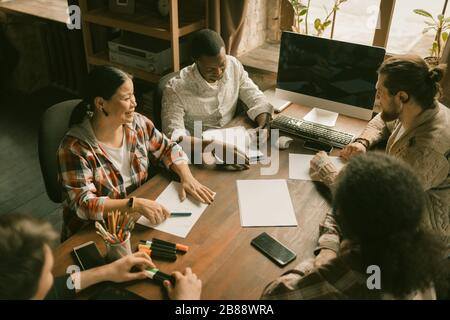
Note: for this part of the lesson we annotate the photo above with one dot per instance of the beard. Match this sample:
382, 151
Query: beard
392, 113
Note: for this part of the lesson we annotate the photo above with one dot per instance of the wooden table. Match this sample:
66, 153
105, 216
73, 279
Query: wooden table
220, 252
55, 10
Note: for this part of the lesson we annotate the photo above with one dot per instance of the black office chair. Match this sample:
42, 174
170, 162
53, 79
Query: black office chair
157, 98
54, 125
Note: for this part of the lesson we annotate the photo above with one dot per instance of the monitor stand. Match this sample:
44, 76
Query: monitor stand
322, 117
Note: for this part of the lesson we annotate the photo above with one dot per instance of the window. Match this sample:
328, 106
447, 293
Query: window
355, 21
405, 35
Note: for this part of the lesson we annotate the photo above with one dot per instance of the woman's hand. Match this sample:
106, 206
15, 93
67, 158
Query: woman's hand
324, 257
198, 191
120, 270
319, 161
150, 209
187, 287
352, 150
190, 185
323, 169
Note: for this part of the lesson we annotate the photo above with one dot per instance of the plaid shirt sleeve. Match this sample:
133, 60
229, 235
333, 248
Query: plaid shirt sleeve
302, 283
329, 235
161, 147
76, 177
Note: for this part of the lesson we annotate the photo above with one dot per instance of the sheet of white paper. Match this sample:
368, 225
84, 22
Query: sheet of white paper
170, 199
299, 165
264, 203
323, 117
237, 136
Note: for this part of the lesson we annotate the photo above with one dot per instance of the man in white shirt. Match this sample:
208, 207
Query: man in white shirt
208, 91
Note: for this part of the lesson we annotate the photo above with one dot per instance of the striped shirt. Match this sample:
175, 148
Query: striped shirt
88, 176
188, 98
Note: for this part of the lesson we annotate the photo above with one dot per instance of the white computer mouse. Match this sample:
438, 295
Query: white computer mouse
283, 142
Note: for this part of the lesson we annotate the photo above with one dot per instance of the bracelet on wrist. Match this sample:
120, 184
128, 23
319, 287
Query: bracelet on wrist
362, 141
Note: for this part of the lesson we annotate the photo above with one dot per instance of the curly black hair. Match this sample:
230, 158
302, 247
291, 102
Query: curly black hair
379, 204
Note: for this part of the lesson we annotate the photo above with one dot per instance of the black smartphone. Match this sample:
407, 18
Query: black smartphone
317, 146
273, 249
88, 256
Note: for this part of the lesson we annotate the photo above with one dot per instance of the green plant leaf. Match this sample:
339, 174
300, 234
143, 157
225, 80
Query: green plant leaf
425, 30
440, 17
326, 24
317, 24
423, 13
430, 23
303, 12
447, 19
444, 36
434, 49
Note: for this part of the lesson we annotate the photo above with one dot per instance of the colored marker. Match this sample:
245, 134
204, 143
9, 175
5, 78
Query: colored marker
158, 276
177, 246
158, 248
158, 254
180, 214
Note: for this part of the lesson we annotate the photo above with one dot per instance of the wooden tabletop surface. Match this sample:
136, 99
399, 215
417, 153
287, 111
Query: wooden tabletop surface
220, 252
55, 10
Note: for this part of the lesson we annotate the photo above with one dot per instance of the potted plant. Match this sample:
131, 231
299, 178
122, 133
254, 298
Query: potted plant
440, 25
301, 14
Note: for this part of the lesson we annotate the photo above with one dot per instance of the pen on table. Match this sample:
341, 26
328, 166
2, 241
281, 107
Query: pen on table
180, 214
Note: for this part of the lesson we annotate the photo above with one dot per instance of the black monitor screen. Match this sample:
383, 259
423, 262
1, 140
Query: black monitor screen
329, 69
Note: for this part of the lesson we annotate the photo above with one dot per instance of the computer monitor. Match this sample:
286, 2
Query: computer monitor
328, 74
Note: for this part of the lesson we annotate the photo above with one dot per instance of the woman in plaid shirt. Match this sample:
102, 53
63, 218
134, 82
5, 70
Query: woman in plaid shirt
107, 151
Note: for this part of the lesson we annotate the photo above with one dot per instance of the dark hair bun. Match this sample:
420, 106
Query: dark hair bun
437, 73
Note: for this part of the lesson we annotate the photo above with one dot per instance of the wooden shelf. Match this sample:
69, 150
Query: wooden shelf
146, 23
102, 58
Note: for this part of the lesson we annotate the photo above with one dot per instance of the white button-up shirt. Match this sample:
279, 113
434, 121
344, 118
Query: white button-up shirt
189, 97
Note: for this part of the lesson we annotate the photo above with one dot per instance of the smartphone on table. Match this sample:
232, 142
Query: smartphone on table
317, 146
87, 256
273, 249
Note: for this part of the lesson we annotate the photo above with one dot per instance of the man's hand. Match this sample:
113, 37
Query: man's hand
263, 129
352, 150
324, 257
187, 287
240, 160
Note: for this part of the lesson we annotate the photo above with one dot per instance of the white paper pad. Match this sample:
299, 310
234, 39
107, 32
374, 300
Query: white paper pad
323, 117
299, 165
237, 136
264, 203
170, 199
